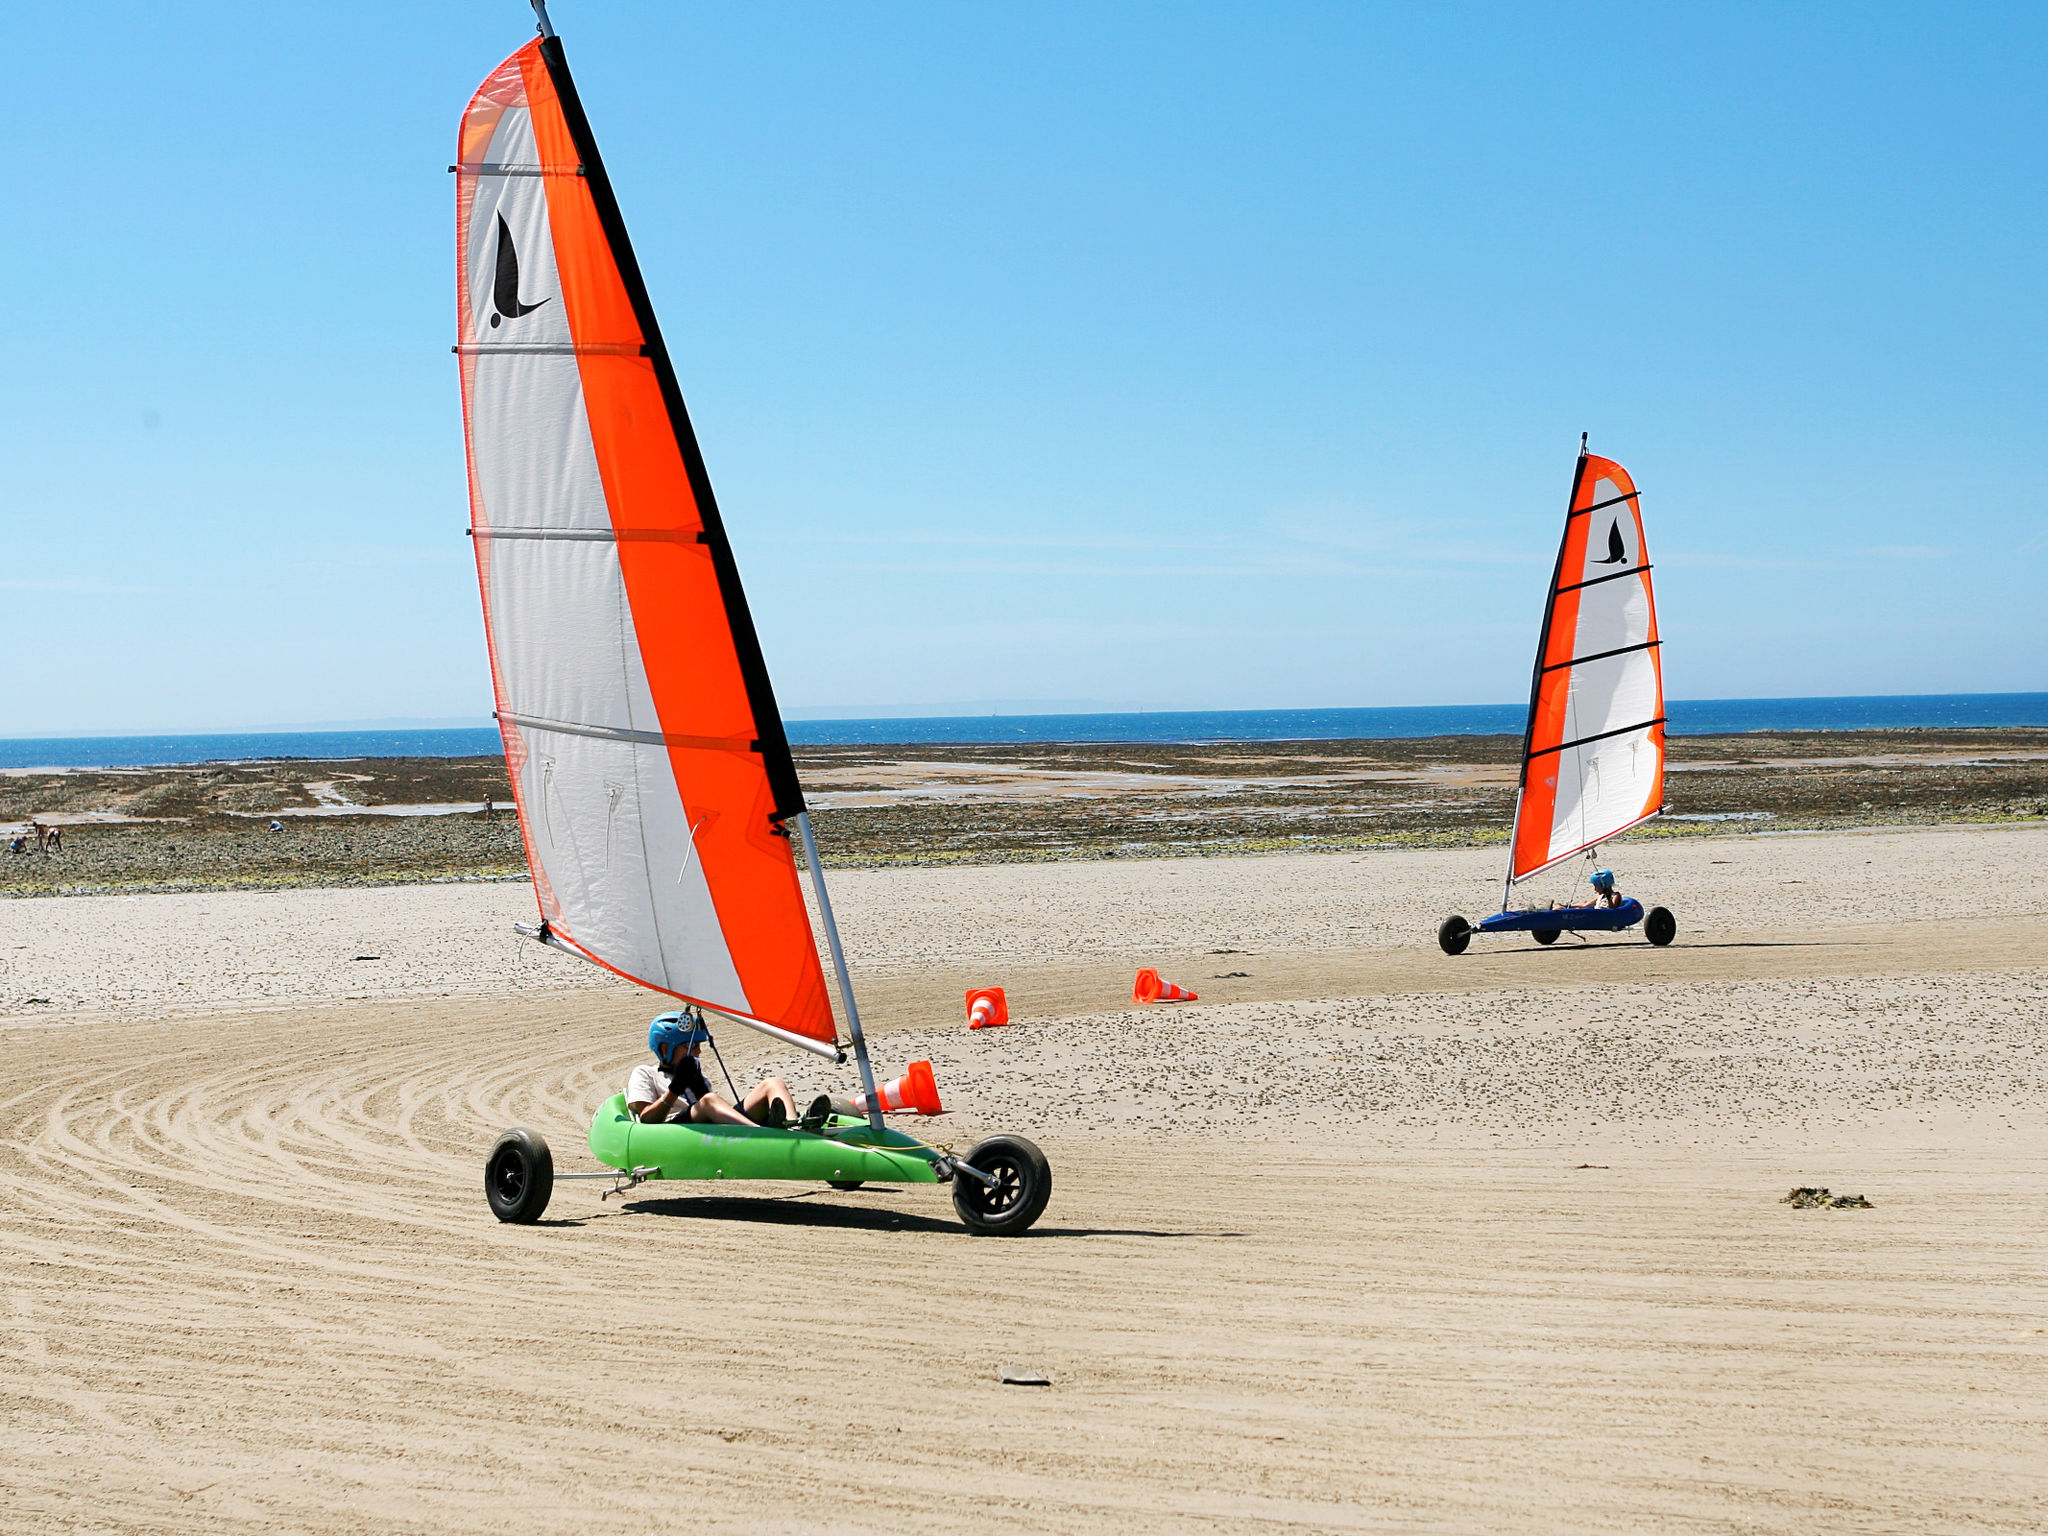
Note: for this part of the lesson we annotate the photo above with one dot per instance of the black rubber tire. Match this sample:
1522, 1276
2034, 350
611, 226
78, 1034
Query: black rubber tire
1023, 1185
847, 1184
1544, 935
1454, 935
1660, 927
519, 1176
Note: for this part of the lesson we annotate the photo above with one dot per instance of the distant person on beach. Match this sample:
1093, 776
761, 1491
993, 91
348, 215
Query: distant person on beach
19, 845
676, 1088
53, 840
1605, 892
489, 806
42, 836
277, 826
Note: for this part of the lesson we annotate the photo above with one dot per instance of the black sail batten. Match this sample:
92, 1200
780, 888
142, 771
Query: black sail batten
1594, 581
1543, 639
1600, 506
1619, 650
1619, 730
773, 742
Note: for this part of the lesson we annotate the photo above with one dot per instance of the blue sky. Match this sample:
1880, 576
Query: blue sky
1167, 356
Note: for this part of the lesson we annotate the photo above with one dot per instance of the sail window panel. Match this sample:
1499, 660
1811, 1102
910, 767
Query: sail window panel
1603, 787
1609, 695
561, 633
533, 463
567, 652
1611, 616
609, 831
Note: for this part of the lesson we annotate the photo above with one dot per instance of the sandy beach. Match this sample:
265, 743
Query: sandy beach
1370, 1239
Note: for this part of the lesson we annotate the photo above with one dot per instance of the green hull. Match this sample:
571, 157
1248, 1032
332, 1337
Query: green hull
846, 1151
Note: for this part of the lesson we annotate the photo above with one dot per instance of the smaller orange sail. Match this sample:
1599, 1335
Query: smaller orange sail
1593, 754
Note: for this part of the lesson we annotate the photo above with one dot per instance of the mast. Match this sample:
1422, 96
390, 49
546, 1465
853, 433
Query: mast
860, 1042
1536, 671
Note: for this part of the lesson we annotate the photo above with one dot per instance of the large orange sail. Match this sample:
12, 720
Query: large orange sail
1593, 755
647, 756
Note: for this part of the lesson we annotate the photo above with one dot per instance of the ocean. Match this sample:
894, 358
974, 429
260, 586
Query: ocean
1688, 717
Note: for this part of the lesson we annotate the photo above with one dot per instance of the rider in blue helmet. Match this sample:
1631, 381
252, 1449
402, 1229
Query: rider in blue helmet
674, 1087
1604, 892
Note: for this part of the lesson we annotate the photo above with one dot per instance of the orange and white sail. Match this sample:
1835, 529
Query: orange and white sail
647, 756
1593, 756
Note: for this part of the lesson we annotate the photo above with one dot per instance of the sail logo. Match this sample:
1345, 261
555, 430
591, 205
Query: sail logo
505, 286
1617, 551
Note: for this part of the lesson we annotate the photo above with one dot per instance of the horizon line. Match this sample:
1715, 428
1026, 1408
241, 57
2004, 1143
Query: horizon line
472, 723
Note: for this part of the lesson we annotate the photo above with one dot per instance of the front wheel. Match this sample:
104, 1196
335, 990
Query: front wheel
1660, 927
1454, 935
1544, 935
519, 1176
1023, 1184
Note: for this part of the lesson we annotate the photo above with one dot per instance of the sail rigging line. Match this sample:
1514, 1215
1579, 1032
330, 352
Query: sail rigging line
723, 1071
775, 753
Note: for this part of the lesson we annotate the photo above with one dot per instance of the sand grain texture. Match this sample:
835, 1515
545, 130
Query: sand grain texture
1488, 1244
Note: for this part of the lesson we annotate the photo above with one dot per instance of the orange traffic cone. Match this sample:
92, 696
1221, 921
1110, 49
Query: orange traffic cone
987, 1007
1150, 989
916, 1089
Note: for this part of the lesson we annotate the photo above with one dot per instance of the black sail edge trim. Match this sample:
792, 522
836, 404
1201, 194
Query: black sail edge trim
1602, 506
1543, 649
774, 739
1566, 746
1619, 650
1580, 586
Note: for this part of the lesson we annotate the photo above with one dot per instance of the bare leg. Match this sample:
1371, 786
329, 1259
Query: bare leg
712, 1110
771, 1090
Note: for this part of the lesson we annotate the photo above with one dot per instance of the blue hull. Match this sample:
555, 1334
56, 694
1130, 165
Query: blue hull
1565, 920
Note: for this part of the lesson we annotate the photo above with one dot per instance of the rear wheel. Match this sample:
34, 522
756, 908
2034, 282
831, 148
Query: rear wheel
1023, 1184
1544, 935
1454, 935
519, 1176
1660, 927
847, 1184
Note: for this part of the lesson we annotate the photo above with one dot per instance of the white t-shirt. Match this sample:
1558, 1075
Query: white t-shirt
647, 1084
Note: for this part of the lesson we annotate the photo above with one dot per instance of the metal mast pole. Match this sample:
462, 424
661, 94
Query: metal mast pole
860, 1044
1507, 886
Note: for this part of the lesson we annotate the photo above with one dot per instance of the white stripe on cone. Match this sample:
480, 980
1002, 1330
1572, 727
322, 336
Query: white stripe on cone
1150, 988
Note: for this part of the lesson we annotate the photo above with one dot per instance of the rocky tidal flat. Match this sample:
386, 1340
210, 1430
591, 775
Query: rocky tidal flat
409, 820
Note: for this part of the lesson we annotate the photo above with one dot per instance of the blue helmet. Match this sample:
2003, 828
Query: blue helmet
673, 1032
1603, 879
